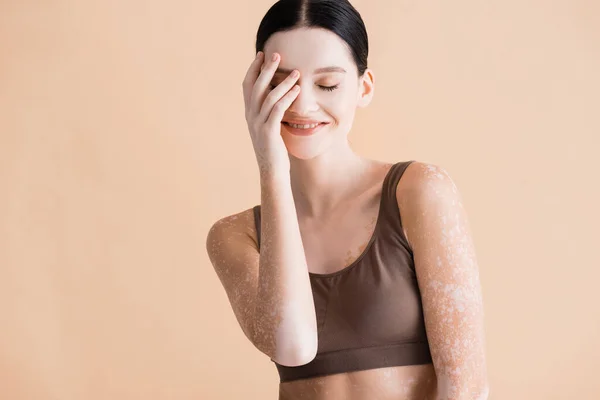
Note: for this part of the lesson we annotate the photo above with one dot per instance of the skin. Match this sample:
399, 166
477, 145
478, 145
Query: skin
323, 168
337, 191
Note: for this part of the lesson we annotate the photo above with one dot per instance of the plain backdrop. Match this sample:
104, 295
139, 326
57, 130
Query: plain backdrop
123, 138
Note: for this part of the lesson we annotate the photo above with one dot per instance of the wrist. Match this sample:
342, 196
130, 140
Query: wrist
274, 175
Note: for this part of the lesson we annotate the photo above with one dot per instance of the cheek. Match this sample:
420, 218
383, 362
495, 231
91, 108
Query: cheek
345, 111
340, 104
347, 97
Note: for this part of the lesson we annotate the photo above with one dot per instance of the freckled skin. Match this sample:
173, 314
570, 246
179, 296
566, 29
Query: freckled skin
435, 224
437, 228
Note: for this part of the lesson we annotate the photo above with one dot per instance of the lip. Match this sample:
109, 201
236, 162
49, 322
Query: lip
303, 121
304, 132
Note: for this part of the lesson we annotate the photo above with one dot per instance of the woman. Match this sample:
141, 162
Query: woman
349, 298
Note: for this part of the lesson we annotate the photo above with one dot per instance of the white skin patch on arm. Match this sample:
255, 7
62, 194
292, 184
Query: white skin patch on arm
445, 262
233, 252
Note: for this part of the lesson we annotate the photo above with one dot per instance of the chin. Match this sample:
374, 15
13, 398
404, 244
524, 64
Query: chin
304, 154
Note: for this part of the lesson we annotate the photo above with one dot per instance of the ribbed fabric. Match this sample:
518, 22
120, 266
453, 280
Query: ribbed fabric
369, 314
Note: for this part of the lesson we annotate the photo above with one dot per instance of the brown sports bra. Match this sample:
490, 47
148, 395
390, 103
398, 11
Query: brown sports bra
369, 314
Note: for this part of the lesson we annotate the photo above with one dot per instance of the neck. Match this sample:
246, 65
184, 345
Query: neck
321, 183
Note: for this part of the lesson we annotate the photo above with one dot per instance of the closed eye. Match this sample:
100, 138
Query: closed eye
327, 88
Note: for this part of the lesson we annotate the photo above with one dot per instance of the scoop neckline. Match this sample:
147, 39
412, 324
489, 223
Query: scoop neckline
374, 235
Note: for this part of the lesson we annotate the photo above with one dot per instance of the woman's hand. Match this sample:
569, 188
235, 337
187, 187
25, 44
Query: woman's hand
264, 112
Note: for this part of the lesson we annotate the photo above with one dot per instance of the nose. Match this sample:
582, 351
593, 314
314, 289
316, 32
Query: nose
305, 102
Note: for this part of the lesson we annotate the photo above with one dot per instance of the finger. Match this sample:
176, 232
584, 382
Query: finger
251, 75
260, 86
281, 106
276, 94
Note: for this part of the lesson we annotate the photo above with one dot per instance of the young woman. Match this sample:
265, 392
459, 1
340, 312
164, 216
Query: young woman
357, 277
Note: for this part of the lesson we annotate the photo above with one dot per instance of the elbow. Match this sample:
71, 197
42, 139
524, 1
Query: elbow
286, 349
301, 357
297, 354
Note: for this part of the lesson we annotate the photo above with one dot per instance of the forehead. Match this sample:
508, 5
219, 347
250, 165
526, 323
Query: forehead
309, 48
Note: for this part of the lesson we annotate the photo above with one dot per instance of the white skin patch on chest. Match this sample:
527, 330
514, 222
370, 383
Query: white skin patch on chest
351, 256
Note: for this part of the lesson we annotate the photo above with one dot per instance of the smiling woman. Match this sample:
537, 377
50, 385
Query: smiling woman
348, 298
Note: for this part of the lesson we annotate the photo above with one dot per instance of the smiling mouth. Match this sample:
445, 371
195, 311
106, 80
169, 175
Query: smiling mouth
309, 131
288, 124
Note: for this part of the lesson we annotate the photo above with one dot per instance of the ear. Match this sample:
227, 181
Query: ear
366, 88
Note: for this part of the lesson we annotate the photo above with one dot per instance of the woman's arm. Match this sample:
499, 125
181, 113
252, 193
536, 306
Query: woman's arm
286, 318
269, 290
437, 228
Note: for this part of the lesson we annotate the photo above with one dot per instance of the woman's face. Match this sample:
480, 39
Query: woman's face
328, 96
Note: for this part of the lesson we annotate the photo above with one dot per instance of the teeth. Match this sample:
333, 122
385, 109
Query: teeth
303, 126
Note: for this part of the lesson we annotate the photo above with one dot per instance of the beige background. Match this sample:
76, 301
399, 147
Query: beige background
123, 138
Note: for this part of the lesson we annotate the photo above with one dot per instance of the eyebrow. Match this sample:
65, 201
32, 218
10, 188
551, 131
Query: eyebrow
317, 71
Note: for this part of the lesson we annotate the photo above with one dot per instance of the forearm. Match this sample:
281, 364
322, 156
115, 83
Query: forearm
285, 323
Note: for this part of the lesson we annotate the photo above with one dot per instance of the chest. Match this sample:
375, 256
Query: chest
333, 245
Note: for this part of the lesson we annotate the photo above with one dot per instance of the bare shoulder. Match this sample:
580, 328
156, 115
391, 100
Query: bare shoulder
233, 251
420, 176
424, 188
240, 223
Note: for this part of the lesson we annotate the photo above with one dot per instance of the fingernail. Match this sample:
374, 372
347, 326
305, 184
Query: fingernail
258, 55
274, 58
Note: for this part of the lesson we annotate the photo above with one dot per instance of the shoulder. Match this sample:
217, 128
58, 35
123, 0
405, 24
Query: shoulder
239, 223
424, 179
425, 190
